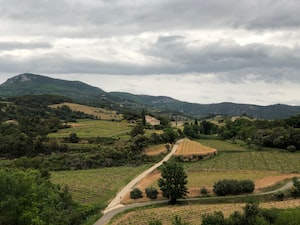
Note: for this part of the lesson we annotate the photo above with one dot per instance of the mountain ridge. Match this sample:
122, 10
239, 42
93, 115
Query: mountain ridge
33, 84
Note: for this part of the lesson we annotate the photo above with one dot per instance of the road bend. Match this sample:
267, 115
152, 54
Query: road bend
115, 205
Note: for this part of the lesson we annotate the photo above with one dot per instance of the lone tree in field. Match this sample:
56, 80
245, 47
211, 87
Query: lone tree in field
173, 182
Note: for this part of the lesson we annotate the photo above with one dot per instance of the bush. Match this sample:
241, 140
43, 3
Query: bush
233, 187
155, 222
136, 193
217, 218
203, 191
151, 192
279, 195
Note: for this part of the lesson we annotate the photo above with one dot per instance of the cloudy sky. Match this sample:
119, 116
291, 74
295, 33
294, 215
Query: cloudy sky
204, 51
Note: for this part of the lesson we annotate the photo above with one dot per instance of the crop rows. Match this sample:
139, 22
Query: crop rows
274, 161
191, 147
96, 186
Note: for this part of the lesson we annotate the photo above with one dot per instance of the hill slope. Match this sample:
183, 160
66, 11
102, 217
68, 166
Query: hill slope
32, 84
226, 108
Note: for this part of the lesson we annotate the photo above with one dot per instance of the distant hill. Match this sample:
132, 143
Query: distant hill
277, 111
32, 84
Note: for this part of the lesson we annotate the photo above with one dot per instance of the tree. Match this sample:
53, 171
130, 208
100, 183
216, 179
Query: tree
173, 182
138, 129
170, 135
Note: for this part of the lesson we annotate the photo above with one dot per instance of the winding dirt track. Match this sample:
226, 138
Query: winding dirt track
115, 205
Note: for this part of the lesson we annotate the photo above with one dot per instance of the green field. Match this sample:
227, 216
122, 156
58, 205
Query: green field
96, 186
94, 128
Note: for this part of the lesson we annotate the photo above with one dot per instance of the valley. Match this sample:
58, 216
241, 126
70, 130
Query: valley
93, 147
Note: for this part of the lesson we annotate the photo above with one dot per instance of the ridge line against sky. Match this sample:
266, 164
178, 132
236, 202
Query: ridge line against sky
192, 50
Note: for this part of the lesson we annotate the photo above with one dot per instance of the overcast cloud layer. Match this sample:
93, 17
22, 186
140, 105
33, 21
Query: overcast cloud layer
194, 50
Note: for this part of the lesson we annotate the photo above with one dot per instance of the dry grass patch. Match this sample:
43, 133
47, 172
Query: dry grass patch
100, 113
156, 150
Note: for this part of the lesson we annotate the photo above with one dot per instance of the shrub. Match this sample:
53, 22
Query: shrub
217, 218
151, 192
203, 191
233, 187
155, 222
291, 148
136, 193
279, 195
246, 186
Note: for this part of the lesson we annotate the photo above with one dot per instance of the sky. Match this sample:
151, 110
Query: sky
202, 51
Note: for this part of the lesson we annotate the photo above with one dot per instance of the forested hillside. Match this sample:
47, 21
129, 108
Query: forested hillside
32, 84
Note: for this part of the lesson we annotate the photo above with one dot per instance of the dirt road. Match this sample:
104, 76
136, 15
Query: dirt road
115, 205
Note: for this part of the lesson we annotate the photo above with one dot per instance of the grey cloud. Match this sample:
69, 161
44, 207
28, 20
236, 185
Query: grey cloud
229, 61
264, 61
23, 45
107, 18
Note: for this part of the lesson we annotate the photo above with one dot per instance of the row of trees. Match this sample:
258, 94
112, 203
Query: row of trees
275, 134
260, 133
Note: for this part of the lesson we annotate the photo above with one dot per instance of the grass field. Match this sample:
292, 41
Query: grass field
155, 149
189, 213
94, 128
96, 186
100, 113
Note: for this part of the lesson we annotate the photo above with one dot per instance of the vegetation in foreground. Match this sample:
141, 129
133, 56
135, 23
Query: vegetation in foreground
29, 198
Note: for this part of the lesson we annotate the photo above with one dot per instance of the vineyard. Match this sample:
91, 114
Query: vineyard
188, 147
96, 186
281, 161
189, 151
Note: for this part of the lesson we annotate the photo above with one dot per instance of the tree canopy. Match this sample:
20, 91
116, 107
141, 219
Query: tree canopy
173, 181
